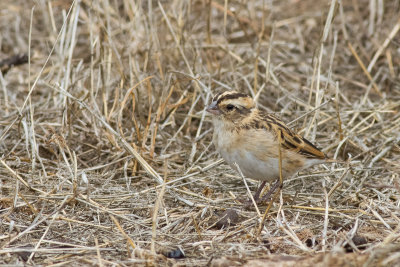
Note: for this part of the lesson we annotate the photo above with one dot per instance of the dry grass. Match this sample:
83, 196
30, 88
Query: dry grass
110, 106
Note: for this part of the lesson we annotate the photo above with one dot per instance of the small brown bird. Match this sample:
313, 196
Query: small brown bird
251, 138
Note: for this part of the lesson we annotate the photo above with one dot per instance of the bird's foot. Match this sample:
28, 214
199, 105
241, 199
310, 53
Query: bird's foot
248, 203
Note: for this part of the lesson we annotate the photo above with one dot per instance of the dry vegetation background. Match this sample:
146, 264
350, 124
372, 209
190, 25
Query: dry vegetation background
108, 104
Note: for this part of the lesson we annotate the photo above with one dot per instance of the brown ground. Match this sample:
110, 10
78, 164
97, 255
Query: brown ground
112, 103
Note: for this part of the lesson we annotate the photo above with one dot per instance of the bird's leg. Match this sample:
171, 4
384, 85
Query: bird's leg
270, 191
249, 202
258, 192
257, 199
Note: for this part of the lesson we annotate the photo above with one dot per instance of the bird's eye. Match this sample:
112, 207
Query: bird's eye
230, 107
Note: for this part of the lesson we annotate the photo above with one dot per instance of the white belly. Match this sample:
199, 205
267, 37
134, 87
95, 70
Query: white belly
252, 167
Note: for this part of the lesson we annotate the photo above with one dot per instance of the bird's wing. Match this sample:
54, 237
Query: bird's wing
294, 142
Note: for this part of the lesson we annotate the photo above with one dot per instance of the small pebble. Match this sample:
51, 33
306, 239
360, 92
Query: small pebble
359, 241
175, 254
229, 217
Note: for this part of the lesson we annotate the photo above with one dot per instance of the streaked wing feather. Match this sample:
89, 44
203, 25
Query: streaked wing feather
299, 144
294, 142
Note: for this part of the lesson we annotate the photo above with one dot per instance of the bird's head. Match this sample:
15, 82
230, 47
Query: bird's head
231, 105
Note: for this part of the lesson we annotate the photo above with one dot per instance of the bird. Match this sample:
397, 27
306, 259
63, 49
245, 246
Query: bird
255, 140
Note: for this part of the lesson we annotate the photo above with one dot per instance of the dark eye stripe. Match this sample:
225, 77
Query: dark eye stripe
231, 96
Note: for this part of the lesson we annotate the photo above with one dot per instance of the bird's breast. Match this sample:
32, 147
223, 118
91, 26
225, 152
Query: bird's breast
256, 153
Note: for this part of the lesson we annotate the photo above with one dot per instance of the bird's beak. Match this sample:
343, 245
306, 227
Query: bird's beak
213, 108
